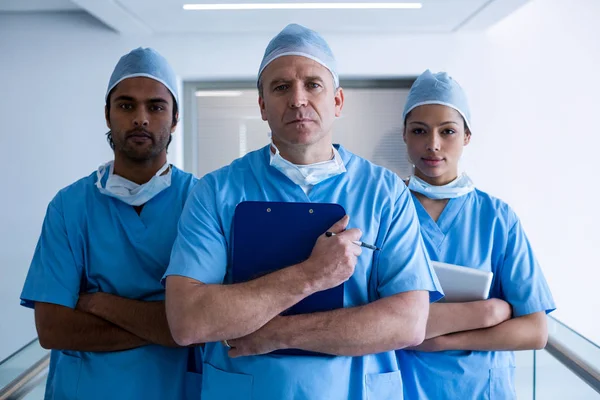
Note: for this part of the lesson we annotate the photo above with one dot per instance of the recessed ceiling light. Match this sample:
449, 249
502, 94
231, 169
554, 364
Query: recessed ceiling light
301, 6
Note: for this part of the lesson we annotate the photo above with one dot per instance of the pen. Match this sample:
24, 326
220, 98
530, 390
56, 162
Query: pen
356, 242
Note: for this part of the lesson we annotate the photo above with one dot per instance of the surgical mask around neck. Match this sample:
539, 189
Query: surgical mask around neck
131, 192
311, 174
458, 187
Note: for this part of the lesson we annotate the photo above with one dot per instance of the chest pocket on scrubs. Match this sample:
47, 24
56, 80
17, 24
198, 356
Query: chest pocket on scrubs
66, 377
221, 385
501, 384
384, 386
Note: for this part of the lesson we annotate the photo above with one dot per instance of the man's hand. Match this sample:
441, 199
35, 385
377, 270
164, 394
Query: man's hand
333, 259
264, 340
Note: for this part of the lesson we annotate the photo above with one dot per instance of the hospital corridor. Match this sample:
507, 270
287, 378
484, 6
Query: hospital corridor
299, 200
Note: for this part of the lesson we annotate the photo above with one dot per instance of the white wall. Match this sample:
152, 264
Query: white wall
51, 134
536, 103
530, 81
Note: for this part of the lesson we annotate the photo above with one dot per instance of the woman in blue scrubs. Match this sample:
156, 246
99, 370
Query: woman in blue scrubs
468, 351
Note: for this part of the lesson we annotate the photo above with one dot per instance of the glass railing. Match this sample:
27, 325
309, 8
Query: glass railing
24, 373
579, 345
37, 391
524, 373
568, 369
554, 381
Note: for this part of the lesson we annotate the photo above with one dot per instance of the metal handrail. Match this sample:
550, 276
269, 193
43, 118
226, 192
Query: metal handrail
20, 386
584, 370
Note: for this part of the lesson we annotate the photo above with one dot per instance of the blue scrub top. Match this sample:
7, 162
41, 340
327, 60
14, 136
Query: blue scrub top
91, 242
378, 203
482, 232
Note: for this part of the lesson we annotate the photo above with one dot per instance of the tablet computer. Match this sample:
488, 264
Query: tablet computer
462, 284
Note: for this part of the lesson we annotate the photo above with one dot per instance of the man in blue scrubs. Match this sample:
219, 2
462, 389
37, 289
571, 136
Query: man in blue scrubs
94, 281
386, 293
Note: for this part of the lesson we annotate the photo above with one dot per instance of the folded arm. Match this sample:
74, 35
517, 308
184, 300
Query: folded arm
63, 328
145, 319
445, 318
529, 332
200, 313
386, 324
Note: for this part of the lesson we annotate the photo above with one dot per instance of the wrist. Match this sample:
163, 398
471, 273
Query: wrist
307, 284
281, 338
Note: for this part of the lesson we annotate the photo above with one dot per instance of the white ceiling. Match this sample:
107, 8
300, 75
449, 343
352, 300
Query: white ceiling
168, 16
37, 5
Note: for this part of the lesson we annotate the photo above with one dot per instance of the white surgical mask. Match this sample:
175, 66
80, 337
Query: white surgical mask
458, 187
311, 174
131, 192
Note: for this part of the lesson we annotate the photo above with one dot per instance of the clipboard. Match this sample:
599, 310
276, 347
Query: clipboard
268, 236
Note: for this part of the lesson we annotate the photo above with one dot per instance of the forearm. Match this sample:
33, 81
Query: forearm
528, 332
70, 329
445, 318
145, 319
387, 324
208, 313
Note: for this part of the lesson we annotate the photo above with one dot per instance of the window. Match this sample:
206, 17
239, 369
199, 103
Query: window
224, 123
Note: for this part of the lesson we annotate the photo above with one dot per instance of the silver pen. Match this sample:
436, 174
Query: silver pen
356, 242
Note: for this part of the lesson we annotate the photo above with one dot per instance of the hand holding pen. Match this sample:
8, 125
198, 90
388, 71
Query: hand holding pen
333, 259
357, 242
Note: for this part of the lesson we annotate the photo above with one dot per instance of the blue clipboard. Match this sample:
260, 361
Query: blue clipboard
268, 236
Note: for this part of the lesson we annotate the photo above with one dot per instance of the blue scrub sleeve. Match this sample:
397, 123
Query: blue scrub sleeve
521, 279
200, 249
403, 264
54, 275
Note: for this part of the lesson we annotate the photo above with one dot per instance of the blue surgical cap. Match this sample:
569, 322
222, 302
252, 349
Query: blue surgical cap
439, 88
144, 62
297, 40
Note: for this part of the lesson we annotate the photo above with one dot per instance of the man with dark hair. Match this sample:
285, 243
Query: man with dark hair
109, 138
94, 281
